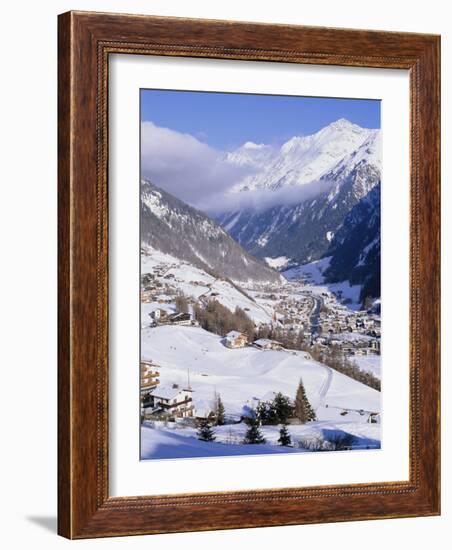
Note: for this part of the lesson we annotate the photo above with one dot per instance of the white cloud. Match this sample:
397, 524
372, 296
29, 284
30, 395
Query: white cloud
186, 167
204, 177
264, 199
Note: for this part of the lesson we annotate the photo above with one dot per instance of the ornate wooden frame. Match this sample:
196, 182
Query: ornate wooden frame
85, 42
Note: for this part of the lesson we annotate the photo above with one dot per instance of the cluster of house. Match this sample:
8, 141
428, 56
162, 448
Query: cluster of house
355, 347
236, 339
293, 310
155, 286
159, 401
294, 313
337, 320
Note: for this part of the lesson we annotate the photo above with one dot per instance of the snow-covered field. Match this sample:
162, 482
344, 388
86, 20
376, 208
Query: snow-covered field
173, 441
312, 273
277, 263
243, 377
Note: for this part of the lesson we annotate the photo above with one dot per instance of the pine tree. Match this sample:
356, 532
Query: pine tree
284, 436
220, 419
205, 432
303, 410
283, 408
266, 413
253, 435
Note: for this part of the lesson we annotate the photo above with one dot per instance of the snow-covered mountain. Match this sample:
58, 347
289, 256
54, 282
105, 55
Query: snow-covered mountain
256, 155
301, 160
355, 249
344, 161
173, 227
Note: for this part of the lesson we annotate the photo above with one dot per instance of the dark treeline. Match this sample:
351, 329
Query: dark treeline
217, 318
333, 357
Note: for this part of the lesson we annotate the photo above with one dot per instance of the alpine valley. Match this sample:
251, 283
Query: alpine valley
341, 222
260, 319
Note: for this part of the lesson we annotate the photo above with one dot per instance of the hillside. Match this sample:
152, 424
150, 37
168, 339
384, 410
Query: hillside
243, 377
343, 162
172, 227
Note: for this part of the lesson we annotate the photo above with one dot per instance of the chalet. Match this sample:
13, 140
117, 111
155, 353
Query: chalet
203, 410
235, 339
173, 401
158, 314
265, 343
183, 319
149, 376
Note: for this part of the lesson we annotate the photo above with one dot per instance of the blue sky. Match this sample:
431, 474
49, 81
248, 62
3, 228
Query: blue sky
226, 121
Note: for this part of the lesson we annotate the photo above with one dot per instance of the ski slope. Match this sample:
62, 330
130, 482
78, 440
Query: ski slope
245, 376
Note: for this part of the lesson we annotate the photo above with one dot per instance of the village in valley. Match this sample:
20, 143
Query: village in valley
286, 365
260, 274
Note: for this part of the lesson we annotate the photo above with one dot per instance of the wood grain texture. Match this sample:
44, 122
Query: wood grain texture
85, 42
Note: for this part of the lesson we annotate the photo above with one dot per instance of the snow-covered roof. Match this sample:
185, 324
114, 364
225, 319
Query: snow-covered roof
266, 342
234, 334
168, 392
203, 408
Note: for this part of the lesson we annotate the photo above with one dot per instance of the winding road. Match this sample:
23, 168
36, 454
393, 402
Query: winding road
314, 318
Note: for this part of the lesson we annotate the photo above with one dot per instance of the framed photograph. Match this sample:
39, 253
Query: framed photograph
248, 275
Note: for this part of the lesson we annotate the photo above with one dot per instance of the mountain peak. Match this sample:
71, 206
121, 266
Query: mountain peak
340, 122
343, 124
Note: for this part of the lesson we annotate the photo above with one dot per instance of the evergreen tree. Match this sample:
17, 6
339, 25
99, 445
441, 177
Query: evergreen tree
253, 435
266, 413
284, 436
283, 408
205, 432
219, 412
303, 410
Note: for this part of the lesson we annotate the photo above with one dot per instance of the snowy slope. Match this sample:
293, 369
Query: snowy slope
256, 155
302, 159
246, 375
196, 283
243, 377
169, 225
160, 442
